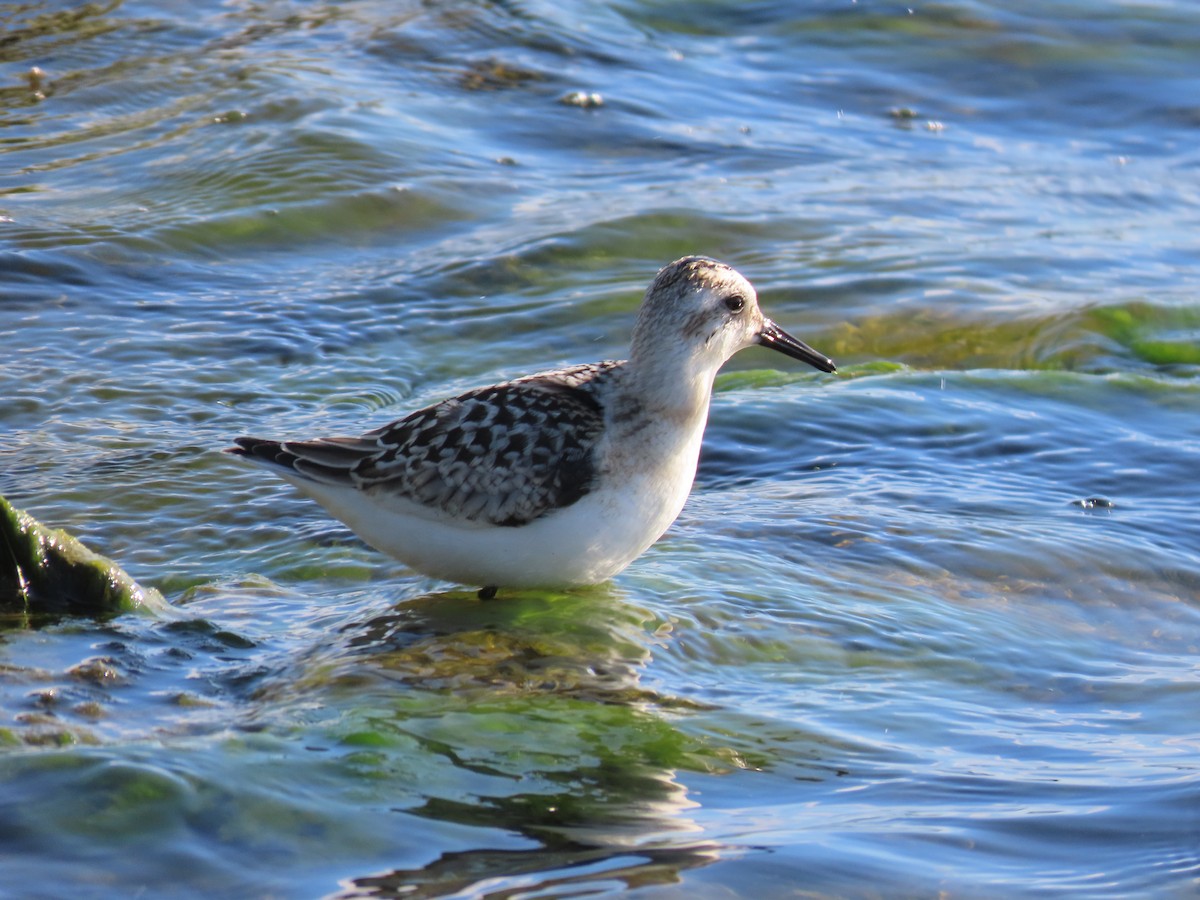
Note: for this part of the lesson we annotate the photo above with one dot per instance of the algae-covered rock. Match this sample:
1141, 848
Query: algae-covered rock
47, 570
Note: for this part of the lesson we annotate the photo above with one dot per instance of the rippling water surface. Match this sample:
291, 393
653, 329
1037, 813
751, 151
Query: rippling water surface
928, 625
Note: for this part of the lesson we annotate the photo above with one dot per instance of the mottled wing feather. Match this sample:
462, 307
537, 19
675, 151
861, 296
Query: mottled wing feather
504, 454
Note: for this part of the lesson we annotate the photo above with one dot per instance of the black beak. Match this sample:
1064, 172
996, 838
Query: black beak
777, 339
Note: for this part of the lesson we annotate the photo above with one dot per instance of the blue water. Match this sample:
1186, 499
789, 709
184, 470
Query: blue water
931, 625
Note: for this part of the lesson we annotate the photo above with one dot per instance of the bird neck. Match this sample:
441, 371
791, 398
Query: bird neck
669, 388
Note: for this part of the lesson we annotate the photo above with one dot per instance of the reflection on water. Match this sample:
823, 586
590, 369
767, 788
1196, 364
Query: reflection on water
612, 811
533, 706
565, 870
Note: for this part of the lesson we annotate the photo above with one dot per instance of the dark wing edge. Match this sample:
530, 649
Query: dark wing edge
328, 460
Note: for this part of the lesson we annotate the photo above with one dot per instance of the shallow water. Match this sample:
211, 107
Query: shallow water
929, 625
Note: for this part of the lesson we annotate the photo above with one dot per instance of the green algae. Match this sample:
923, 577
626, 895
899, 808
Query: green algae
44, 570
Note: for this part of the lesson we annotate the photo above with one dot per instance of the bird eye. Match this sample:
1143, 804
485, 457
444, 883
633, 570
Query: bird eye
734, 303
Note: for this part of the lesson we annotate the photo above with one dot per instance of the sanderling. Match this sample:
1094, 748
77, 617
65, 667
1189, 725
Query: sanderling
556, 479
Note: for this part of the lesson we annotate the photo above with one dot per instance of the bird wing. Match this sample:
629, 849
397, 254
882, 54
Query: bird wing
504, 454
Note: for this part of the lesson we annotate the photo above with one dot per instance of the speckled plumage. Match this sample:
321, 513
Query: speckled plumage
502, 455
554, 479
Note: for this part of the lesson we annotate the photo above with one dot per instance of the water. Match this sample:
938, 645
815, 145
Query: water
930, 625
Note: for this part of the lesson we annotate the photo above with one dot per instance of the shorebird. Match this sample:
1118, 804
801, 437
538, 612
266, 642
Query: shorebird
557, 479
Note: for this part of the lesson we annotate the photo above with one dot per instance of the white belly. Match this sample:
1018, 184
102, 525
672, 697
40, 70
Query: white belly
585, 543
